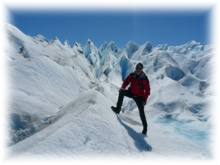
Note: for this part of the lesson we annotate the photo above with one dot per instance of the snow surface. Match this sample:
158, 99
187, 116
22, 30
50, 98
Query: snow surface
60, 99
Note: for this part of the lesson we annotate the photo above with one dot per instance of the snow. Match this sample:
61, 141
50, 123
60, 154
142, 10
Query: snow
60, 99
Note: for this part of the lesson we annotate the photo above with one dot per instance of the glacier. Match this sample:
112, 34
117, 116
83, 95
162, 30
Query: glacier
60, 98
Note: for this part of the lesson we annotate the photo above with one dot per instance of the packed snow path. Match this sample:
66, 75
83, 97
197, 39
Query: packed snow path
87, 127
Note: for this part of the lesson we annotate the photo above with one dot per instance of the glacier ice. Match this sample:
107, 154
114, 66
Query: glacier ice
55, 85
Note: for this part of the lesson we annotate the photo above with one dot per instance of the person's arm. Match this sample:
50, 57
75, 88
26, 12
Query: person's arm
126, 82
146, 88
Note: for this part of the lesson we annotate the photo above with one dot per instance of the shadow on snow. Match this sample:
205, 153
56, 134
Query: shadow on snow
138, 138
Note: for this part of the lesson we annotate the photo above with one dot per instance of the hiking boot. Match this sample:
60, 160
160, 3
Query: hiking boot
144, 131
115, 109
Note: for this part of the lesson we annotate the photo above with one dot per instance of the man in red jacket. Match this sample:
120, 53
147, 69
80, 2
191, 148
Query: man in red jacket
139, 91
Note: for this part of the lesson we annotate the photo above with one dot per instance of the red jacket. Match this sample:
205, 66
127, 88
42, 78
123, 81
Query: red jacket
139, 85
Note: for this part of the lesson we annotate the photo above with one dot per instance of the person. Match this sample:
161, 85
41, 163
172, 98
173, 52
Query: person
139, 91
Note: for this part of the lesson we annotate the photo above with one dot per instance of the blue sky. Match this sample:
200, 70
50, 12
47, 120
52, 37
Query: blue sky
160, 27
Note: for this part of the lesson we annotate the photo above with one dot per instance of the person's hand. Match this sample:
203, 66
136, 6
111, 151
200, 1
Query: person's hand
144, 102
121, 89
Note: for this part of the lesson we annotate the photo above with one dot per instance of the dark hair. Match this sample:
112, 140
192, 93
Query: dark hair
140, 64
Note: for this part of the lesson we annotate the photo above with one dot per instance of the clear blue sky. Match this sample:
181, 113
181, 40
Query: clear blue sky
159, 27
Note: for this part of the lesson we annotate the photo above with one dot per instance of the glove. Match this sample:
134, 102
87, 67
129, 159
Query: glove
144, 102
121, 89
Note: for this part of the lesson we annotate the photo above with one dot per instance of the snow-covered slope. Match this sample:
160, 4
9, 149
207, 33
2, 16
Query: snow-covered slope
60, 98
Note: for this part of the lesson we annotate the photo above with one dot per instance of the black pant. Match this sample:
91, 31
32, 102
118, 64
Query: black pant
138, 100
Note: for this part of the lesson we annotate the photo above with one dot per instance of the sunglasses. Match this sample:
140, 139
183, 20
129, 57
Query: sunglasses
138, 68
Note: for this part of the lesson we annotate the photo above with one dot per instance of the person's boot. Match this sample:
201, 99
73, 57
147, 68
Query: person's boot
115, 109
144, 131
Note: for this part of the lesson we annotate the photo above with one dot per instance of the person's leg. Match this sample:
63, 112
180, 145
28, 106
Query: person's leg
121, 98
139, 101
